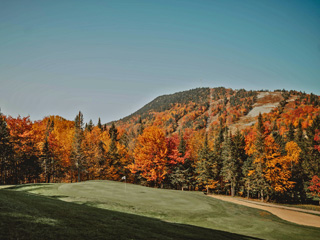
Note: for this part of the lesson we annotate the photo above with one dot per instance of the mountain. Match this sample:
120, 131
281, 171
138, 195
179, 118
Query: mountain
205, 108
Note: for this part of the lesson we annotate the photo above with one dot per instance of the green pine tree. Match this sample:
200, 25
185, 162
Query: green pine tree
180, 173
99, 124
113, 154
6, 152
77, 155
206, 168
229, 169
89, 126
299, 134
290, 133
259, 183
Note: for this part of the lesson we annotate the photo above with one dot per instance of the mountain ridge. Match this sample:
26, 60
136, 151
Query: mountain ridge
204, 108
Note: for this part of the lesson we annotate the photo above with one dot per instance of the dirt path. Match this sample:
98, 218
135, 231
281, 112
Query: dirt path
286, 213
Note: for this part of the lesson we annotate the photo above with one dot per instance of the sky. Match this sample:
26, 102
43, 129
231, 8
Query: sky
109, 58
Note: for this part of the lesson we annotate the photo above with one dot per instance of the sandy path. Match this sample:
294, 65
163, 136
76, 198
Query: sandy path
285, 213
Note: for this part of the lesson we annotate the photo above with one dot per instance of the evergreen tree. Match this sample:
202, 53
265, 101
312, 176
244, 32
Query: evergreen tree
311, 156
290, 134
248, 179
77, 155
219, 139
141, 128
124, 139
229, 164
299, 176
6, 151
101, 158
278, 138
206, 167
113, 133
259, 182
299, 135
180, 173
182, 145
239, 155
46, 158
89, 126
113, 155
99, 124
47, 154
260, 136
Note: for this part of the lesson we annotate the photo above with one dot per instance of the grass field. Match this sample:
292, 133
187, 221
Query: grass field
305, 206
113, 210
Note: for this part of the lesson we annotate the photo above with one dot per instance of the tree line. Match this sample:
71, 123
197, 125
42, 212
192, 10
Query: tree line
275, 159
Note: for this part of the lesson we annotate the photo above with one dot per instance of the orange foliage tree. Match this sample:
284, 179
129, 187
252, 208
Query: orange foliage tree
26, 155
150, 156
94, 151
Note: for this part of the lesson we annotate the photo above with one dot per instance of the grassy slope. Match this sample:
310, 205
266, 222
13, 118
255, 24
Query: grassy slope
108, 210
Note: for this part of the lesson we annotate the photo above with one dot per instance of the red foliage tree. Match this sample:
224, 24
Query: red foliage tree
315, 186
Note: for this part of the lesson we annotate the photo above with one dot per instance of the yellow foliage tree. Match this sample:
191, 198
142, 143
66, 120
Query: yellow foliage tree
279, 168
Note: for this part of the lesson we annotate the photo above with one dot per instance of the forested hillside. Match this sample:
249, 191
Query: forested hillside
251, 143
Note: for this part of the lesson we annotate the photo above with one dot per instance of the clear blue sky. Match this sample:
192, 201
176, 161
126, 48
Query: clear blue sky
109, 58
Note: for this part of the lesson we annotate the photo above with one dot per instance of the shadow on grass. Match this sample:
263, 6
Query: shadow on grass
18, 186
28, 216
29, 187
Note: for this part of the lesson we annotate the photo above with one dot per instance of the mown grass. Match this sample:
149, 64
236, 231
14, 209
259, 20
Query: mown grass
305, 206
111, 210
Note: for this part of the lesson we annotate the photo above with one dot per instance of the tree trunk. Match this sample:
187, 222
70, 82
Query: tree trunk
78, 172
267, 198
53, 170
248, 190
261, 195
232, 190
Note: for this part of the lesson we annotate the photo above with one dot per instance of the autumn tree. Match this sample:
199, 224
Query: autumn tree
95, 153
278, 169
61, 140
178, 161
26, 164
315, 186
150, 156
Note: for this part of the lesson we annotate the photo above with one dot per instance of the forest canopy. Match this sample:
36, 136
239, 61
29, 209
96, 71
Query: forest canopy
206, 139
